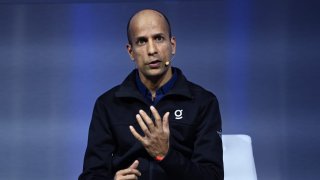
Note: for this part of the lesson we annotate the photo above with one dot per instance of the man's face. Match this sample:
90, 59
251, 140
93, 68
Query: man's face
151, 45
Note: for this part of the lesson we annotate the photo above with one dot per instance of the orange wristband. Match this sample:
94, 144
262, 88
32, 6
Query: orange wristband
159, 158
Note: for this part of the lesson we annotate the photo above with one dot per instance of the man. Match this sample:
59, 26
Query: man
156, 125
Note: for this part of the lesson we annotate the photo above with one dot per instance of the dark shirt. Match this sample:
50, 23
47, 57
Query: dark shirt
160, 92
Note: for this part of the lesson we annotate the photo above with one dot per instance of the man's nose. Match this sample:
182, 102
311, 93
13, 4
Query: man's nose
152, 48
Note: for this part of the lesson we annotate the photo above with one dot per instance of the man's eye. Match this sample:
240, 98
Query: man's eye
159, 38
141, 42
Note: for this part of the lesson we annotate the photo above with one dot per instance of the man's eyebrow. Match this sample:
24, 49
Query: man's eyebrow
154, 35
141, 38
144, 38
158, 34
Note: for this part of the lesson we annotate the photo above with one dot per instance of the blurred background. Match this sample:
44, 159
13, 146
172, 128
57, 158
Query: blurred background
261, 59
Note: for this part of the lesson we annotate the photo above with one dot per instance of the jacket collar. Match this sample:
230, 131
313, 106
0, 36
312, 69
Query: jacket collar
128, 88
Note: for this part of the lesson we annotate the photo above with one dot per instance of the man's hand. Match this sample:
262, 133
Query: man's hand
156, 139
130, 173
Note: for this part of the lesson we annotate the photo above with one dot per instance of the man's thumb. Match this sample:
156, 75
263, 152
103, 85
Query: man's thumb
134, 165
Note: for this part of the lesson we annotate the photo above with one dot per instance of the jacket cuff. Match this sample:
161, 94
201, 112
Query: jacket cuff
168, 159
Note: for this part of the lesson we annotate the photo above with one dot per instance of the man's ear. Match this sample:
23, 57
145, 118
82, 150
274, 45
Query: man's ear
173, 45
130, 51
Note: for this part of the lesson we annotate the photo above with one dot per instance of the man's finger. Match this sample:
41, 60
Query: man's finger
136, 134
165, 123
133, 168
125, 173
130, 177
130, 173
156, 116
142, 125
147, 120
135, 172
134, 165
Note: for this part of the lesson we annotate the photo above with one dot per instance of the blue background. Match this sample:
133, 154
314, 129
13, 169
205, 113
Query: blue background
260, 58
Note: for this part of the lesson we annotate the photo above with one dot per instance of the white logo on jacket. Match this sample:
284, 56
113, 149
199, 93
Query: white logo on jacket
178, 114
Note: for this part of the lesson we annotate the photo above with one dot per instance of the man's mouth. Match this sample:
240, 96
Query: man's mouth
155, 64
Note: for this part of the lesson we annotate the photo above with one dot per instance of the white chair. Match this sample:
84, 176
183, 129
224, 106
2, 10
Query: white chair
238, 158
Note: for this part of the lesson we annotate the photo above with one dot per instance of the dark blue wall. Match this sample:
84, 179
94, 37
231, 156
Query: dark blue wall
260, 58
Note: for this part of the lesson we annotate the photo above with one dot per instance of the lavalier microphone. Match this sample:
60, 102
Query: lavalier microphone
167, 63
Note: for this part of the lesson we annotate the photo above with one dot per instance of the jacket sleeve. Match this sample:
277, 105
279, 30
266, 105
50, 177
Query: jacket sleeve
97, 160
207, 158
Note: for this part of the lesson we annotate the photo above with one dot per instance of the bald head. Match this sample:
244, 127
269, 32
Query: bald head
154, 15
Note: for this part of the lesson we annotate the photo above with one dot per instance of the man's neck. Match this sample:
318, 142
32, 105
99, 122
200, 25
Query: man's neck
154, 83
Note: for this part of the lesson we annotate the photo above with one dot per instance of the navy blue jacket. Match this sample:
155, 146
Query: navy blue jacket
195, 127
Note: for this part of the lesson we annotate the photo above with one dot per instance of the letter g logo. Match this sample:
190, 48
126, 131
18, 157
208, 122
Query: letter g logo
178, 114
